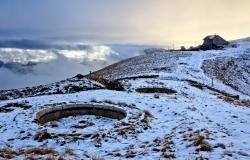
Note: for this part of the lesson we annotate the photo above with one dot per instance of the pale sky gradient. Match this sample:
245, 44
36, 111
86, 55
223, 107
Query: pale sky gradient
125, 21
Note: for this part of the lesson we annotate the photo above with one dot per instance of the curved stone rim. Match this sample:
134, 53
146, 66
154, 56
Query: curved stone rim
62, 111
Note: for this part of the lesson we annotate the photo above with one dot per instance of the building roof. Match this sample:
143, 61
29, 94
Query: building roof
217, 40
210, 36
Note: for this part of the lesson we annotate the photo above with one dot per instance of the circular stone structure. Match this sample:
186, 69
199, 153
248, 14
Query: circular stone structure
58, 112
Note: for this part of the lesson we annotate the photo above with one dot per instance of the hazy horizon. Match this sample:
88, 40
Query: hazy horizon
159, 22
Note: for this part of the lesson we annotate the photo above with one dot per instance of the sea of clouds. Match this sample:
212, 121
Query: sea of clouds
34, 64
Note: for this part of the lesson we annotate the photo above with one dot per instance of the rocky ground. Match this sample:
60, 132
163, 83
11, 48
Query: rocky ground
70, 85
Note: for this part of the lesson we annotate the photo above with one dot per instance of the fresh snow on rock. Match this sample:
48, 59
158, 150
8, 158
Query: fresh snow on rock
70, 85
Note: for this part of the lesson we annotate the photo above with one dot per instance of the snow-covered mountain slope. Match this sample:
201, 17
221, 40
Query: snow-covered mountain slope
187, 65
172, 111
233, 71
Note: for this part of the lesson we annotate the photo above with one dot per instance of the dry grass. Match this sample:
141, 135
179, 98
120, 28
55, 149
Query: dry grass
41, 151
167, 150
205, 147
221, 145
37, 153
112, 85
245, 103
135, 124
198, 139
8, 153
29, 153
42, 135
146, 119
227, 98
130, 153
235, 100
168, 155
115, 154
147, 114
126, 130
30, 157
68, 153
98, 79
196, 84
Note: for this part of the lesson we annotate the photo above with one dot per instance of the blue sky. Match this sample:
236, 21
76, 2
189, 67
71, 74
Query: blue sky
124, 21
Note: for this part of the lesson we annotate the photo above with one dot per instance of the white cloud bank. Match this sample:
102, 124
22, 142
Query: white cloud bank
24, 56
49, 65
